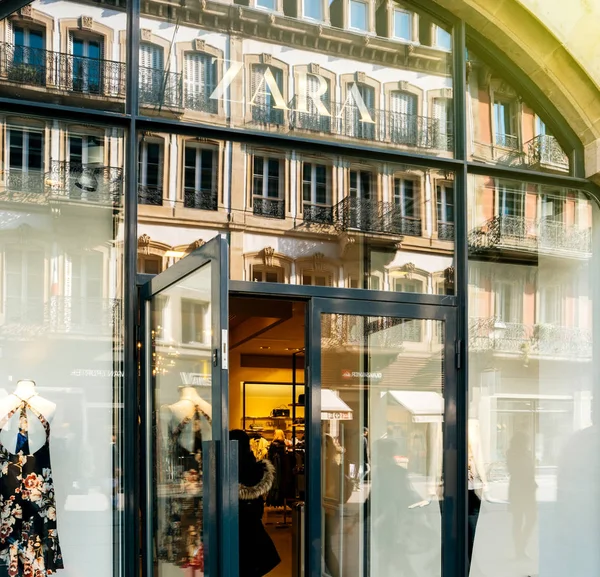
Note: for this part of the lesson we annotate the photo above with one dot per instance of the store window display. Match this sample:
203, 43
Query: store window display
29, 542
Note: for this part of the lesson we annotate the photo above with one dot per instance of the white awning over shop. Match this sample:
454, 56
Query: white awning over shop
425, 406
333, 408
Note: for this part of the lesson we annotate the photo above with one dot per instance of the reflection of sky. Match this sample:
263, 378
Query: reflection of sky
7, 218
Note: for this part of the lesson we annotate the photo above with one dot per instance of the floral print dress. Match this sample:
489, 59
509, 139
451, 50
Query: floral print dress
29, 544
181, 539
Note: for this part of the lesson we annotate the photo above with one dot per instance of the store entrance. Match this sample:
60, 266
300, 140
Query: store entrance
297, 436
267, 406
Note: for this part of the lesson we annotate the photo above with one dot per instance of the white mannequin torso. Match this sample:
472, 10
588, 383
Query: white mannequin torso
184, 408
25, 391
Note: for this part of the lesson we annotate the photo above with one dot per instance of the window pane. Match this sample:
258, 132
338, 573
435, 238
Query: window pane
402, 25
531, 329
313, 9
61, 337
358, 15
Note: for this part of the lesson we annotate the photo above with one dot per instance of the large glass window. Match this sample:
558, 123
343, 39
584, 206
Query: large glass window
61, 337
532, 388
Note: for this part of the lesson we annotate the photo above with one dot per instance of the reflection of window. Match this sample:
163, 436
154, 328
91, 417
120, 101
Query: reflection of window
403, 25
505, 124
29, 57
200, 82
316, 278
87, 67
200, 178
357, 123
360, 184
507, 302
358, 15
86, 281
267, 274
267, 4
550, 305
315, 184
150, 172
552, 208
442, 114
407, 285
25, 160
313, 9
403, 121
153, 83
194, 322
510, 200
85, 150
445, 211
267, 187
405, 197
540, 126
149, 264
262, 99
442, 39
24, 285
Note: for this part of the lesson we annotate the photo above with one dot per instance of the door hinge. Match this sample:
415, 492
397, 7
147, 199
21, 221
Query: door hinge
458, 353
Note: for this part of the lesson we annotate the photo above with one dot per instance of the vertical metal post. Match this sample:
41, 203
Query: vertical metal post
455, 469
131, 440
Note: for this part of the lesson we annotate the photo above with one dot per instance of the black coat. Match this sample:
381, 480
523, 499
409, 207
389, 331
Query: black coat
258, 554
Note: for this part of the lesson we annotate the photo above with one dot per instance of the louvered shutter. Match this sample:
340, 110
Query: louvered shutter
403, 118
200, 81
151, 66
440, 116
259, 100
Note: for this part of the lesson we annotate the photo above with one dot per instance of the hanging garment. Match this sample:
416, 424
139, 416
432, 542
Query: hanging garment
28, 536
181, 540
260, 448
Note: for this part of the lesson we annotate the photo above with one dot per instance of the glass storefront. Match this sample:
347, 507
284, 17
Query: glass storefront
348, 238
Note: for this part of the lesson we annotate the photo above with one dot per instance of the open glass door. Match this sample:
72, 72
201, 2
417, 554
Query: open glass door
185, 374
382, 414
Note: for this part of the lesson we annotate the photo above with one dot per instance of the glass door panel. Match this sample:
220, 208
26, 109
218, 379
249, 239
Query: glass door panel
186, 366
382, 407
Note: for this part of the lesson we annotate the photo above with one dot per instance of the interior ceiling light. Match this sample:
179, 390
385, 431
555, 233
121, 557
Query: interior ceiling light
264, 348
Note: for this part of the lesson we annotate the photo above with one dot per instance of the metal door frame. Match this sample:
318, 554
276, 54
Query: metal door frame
222, 508
453, 524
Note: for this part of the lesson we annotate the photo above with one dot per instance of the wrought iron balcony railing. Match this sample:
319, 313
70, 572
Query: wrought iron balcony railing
204, 199
375, 217
522, 234
152, 195
70, 181
545, 151
376, 125
25, 185
317, 214
542, 340
62, 315
200, 101
445, 230
268, 207
507, 140
266, 115
64, 72
160, 88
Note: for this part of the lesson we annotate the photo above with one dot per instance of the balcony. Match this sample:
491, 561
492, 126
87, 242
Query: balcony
265, 115
72, 182
372, 216
544, 151
541, 340
160, 88
204, 199
316, 214
24, 186
200, 101
150, 195
28, 318
396, 128
445, 230
507, 141
517, 233
63, 72
268, 207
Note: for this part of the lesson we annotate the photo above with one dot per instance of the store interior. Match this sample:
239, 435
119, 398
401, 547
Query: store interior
266, 343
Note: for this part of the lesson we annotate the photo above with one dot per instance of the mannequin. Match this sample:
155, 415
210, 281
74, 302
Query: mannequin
183, 409
26, 390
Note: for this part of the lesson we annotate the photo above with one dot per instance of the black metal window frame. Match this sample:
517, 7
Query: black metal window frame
132, 121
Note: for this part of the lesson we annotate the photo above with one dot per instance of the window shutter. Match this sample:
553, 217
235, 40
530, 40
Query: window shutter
10, 37
255, 81
70, 46
403, 103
